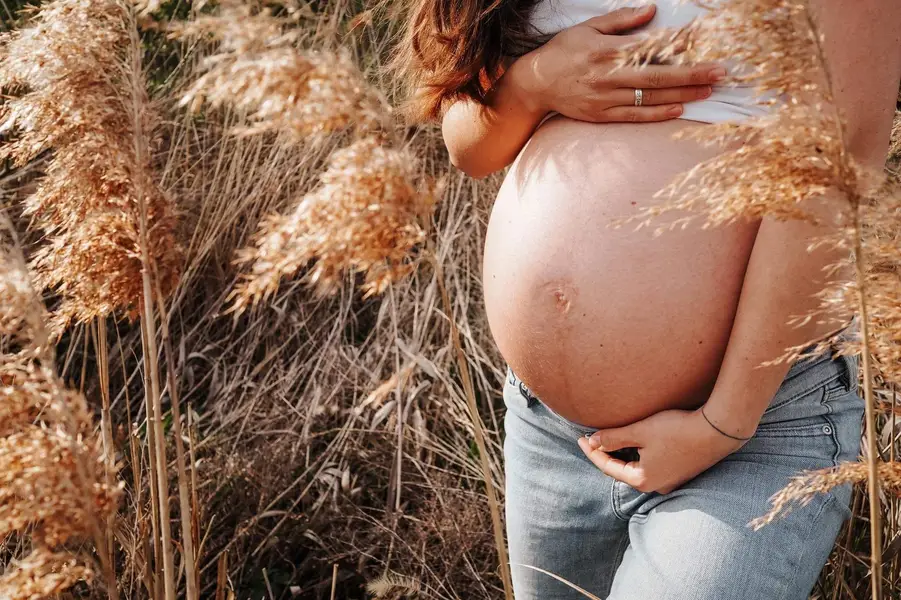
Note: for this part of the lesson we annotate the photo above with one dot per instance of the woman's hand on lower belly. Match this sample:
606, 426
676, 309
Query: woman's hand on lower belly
674, 446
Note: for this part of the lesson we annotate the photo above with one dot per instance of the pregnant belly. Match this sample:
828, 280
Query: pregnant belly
608, 325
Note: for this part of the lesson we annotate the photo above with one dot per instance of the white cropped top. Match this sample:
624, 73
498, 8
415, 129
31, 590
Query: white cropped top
730, 102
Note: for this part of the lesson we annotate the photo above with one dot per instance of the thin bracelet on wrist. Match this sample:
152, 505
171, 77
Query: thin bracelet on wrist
733, 437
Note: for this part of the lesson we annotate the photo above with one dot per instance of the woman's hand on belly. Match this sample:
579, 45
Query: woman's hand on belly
575, 74
674, 446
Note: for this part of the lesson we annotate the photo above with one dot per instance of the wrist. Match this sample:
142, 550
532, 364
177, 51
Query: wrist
712, 440
523, 83
728, 422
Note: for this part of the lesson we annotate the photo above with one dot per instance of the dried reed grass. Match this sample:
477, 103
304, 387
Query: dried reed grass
42, 574
365, 216
70, 79
777, 164
259, 70
53, 484
391, 586
806, 486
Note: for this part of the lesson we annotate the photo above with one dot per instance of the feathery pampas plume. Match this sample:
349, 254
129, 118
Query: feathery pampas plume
366, 215
72, 86
391, 586
777, 159
259, 70
53, 486
361, 217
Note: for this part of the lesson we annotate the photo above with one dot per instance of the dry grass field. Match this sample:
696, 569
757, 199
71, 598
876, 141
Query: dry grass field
242, 358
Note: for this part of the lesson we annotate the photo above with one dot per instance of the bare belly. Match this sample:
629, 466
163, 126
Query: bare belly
608, 326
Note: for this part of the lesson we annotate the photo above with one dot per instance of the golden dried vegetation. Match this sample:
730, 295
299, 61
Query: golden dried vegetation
54, 488
75, 96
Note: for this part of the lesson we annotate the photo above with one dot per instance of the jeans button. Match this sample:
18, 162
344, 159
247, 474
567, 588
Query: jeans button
827, 429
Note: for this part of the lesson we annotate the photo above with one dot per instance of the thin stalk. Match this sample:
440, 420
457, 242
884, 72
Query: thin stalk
152, 470
106, 426
870, 408
221, 575
398, 394
468, 389
141, 526
137, 93
334, 581
892, 508
158, 440
184, 486
195, 505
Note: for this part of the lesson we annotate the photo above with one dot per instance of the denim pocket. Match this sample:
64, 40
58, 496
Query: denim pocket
804, 389
804, 430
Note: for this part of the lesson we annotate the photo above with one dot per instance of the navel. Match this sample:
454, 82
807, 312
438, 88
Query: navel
563, 295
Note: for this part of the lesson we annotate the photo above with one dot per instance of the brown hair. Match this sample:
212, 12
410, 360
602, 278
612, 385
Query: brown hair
456, 49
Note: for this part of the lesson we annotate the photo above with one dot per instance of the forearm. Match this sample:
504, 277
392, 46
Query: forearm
482, 139
781, 282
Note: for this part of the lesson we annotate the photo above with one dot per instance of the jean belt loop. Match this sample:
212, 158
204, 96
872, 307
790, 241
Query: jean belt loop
531, 399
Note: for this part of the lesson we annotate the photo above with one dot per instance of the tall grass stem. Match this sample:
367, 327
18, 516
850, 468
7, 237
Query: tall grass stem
468, 389
873, 455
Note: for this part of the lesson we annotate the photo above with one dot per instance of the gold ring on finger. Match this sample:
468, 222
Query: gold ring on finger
638, 96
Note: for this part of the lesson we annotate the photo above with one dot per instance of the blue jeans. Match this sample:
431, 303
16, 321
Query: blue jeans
566, 517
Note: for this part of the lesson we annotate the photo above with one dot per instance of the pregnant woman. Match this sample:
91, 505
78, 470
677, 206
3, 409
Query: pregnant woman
642, 435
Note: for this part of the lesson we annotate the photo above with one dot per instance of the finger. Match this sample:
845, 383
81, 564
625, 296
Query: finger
622, 19
667, 76
629, 473
654, 97
617, 438
641, 114
665, 43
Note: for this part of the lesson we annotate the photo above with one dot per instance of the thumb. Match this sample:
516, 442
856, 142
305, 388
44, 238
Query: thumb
622, 20
610, 440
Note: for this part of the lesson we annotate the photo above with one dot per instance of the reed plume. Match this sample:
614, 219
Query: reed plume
362, 217
789, 150
393, 586
42, 574
259, 70
72, 106
366, 213
806, 486
792, 150
53, 484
